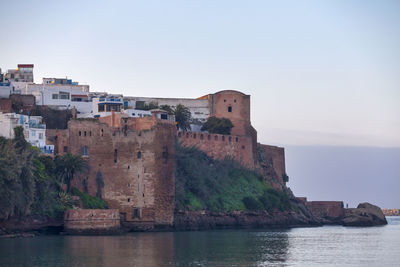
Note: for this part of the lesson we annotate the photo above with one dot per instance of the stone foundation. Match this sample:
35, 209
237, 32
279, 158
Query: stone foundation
96, 221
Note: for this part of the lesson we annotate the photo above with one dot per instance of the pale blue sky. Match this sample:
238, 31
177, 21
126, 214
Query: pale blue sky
319, 72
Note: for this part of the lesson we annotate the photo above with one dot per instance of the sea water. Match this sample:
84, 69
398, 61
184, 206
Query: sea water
316, 246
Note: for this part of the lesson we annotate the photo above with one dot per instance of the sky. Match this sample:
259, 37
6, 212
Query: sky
320, 73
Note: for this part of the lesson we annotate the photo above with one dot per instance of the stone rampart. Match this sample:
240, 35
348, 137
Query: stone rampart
219, 146
91, 221
131, 165
326, 209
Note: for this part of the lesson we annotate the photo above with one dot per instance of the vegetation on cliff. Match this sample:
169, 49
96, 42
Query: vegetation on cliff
202, 183
29, 182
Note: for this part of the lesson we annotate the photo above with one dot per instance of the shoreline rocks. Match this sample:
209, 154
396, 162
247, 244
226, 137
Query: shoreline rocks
365, 214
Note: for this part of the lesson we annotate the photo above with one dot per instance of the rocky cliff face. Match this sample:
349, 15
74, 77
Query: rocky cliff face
365, 214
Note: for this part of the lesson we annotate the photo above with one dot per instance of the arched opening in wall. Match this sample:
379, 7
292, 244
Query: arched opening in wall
129, 167
209, 137
230, 139
115, 155
90, 133
234, 100
230, 109
201, 137
139, 154
223, 138
237, 139
129, 200
216, 137
84, 133
101, 132
79, 133
84, 151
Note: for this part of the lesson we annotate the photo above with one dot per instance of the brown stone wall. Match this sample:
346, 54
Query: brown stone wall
219, 146
233, 105
5, 105
323, 209
91, 220
277, 154
132, 170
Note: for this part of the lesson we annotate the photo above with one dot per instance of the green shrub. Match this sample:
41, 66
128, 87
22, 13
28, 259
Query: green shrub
217, 125
252, 204
88, 201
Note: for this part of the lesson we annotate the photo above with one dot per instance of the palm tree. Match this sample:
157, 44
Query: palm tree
69, 165
182, 117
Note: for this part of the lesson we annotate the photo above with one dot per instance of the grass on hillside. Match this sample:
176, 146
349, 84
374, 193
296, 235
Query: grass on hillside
202, 183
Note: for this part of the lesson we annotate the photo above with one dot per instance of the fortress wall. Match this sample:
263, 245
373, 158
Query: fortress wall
277, 155
333, 209
219, 146
87, 220
133, 171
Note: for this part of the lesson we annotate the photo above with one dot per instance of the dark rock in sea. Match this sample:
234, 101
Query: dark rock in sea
365, 214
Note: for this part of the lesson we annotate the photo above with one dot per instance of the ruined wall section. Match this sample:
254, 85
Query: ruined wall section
219, 146
326, 209
125, 167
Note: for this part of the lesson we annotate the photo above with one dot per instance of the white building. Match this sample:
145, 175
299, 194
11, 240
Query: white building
60, 94
34, 130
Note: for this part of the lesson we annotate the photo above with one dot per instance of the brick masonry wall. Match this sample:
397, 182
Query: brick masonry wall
219, 146
332, 209
91, 219
136, 167
5, 105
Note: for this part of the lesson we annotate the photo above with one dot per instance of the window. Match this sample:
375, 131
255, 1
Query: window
230, 139
90, 133
79, 133
229, 109
84, 151
223, 138
165, 154
201, 137
136, 213
216, 138
139, 155
164, 116
84, 133
101, 108
194, 136
65, 149
115, 155
40, 136
101, 132
64, 95
237, 139
33, 133
209, 137
54, 96
234, 100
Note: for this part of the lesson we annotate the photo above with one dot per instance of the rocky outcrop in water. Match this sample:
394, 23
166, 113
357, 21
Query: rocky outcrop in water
365, 214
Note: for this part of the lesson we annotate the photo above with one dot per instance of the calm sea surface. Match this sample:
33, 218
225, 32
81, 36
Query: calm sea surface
321, 246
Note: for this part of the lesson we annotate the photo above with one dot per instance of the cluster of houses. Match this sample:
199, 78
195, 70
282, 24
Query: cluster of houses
65, 94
